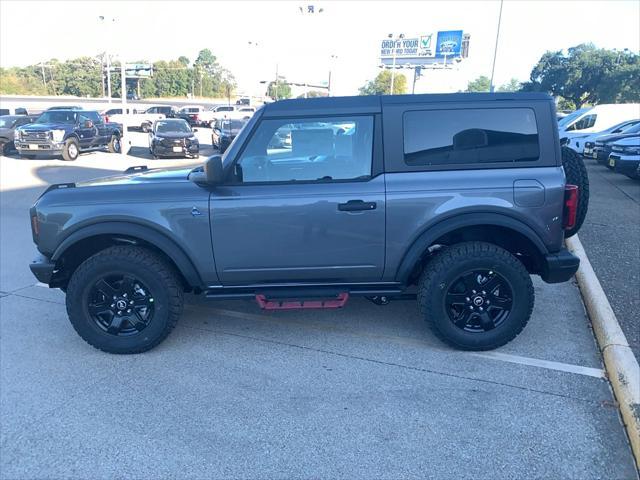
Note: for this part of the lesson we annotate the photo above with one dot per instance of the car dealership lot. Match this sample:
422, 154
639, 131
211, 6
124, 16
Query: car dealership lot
237, 392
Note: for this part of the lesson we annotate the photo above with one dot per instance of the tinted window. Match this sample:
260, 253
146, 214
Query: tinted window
21, 111
94, 117
172, 126
55, 116
587, 121
224, 109
442, 137
4, 111
308, 150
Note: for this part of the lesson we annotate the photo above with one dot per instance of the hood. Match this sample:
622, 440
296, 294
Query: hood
43, 127
140, 177
614, 137
175, 135
630, 140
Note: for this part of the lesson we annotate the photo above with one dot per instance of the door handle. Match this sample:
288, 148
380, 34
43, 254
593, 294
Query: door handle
356, 205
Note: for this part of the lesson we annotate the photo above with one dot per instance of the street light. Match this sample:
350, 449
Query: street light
393, 68
495, 50
332, 58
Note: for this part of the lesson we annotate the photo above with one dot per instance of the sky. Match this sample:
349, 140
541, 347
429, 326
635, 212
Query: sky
344, 38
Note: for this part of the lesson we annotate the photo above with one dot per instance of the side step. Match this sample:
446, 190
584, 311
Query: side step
266, 304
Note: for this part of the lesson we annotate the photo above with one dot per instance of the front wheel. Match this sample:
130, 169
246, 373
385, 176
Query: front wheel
114, 144
71, 150
124, 299
475, 296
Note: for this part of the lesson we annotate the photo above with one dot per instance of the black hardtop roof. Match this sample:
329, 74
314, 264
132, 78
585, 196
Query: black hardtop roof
373, 103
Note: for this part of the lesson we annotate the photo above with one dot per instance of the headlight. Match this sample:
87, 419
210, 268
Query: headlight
632, 150
57, 135
17, 134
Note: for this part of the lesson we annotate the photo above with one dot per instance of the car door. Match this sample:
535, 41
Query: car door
101, 130
86, 134
312, 210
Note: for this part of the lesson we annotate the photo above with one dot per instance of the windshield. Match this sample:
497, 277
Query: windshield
6, 122
232, 124
563, 122
635, 128
166, 127
57, 116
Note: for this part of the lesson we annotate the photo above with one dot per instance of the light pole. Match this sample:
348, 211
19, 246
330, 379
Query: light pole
495, 50
393, 68
332, 58
107, 21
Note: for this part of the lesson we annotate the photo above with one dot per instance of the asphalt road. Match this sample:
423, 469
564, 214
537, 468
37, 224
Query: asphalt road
611, 237
234, 392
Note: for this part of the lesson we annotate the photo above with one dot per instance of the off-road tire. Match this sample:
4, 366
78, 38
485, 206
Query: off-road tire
114, 144
160, 278
576, 174
71, 150
447, 266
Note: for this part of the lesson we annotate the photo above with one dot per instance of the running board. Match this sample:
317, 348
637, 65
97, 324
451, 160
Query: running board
338, 302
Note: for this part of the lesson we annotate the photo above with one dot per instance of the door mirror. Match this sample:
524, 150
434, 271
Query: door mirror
88, 124
213, 170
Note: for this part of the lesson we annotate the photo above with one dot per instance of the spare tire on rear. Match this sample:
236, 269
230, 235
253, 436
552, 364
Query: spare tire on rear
576, 174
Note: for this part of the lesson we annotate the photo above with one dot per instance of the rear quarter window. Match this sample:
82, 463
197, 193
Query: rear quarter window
470, 136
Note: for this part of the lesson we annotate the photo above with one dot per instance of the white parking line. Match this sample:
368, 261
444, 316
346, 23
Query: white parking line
502, 357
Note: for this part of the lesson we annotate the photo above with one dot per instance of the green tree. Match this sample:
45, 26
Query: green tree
587, 75
280, 91
381, 85
183, 60
480, 84
512, 85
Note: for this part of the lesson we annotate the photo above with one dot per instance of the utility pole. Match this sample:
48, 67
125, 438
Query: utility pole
123, 88
108, 78
393, 68
275, 88
495, 50
44, 80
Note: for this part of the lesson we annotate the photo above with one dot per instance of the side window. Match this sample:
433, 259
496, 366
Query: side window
587, 121
468, 136
4, 111
21, 111
81, 119
94, 117
318, 149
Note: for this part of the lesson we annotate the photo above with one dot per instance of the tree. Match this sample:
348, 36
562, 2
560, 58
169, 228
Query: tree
280, 91
381, 85
183, 60
512, 85
587, 75
480, 84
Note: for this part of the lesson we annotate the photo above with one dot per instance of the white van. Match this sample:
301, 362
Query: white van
593, 120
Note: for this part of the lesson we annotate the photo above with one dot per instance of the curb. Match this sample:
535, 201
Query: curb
620, 363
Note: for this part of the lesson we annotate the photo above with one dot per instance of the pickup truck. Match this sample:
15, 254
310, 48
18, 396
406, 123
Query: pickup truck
368, 199
67, 133
196, 115
133, 118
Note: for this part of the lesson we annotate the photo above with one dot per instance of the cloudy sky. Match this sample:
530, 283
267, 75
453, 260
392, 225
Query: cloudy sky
302, 45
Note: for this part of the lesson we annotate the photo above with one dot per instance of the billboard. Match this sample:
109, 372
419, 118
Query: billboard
449, 44
138, 70
423, 49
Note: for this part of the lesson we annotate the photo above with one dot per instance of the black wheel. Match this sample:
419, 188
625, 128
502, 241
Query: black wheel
4, 147
114, 144
124, 299
71, 150
475, 296
576, 174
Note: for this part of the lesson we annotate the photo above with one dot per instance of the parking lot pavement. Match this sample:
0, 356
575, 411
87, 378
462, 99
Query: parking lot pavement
611, 238
234, 392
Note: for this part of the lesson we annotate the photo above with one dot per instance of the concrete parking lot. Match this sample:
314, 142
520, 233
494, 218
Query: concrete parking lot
236, 392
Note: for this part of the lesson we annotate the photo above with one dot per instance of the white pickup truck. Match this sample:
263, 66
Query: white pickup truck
133, 118
232, 112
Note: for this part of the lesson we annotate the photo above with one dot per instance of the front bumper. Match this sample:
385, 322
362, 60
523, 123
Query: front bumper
42, 268
185, 150
559, 267
625, 164
48, 148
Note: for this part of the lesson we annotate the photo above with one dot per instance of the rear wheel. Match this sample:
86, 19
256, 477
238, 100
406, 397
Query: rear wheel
4, 147
71, 150
576, 174
124, 299
475, 296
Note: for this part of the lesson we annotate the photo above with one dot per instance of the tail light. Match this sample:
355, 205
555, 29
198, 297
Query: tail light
35, 226
106, 119
571, 198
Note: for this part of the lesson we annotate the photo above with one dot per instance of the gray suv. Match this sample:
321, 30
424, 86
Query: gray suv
454, 200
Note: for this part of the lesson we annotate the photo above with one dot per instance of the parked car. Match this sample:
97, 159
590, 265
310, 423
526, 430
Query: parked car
67, 133
8, 124
4, 111
625, 156
593, 120
133, 118
173, 137
603, 144
196, 115
620, 128
224, 131
463, 214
